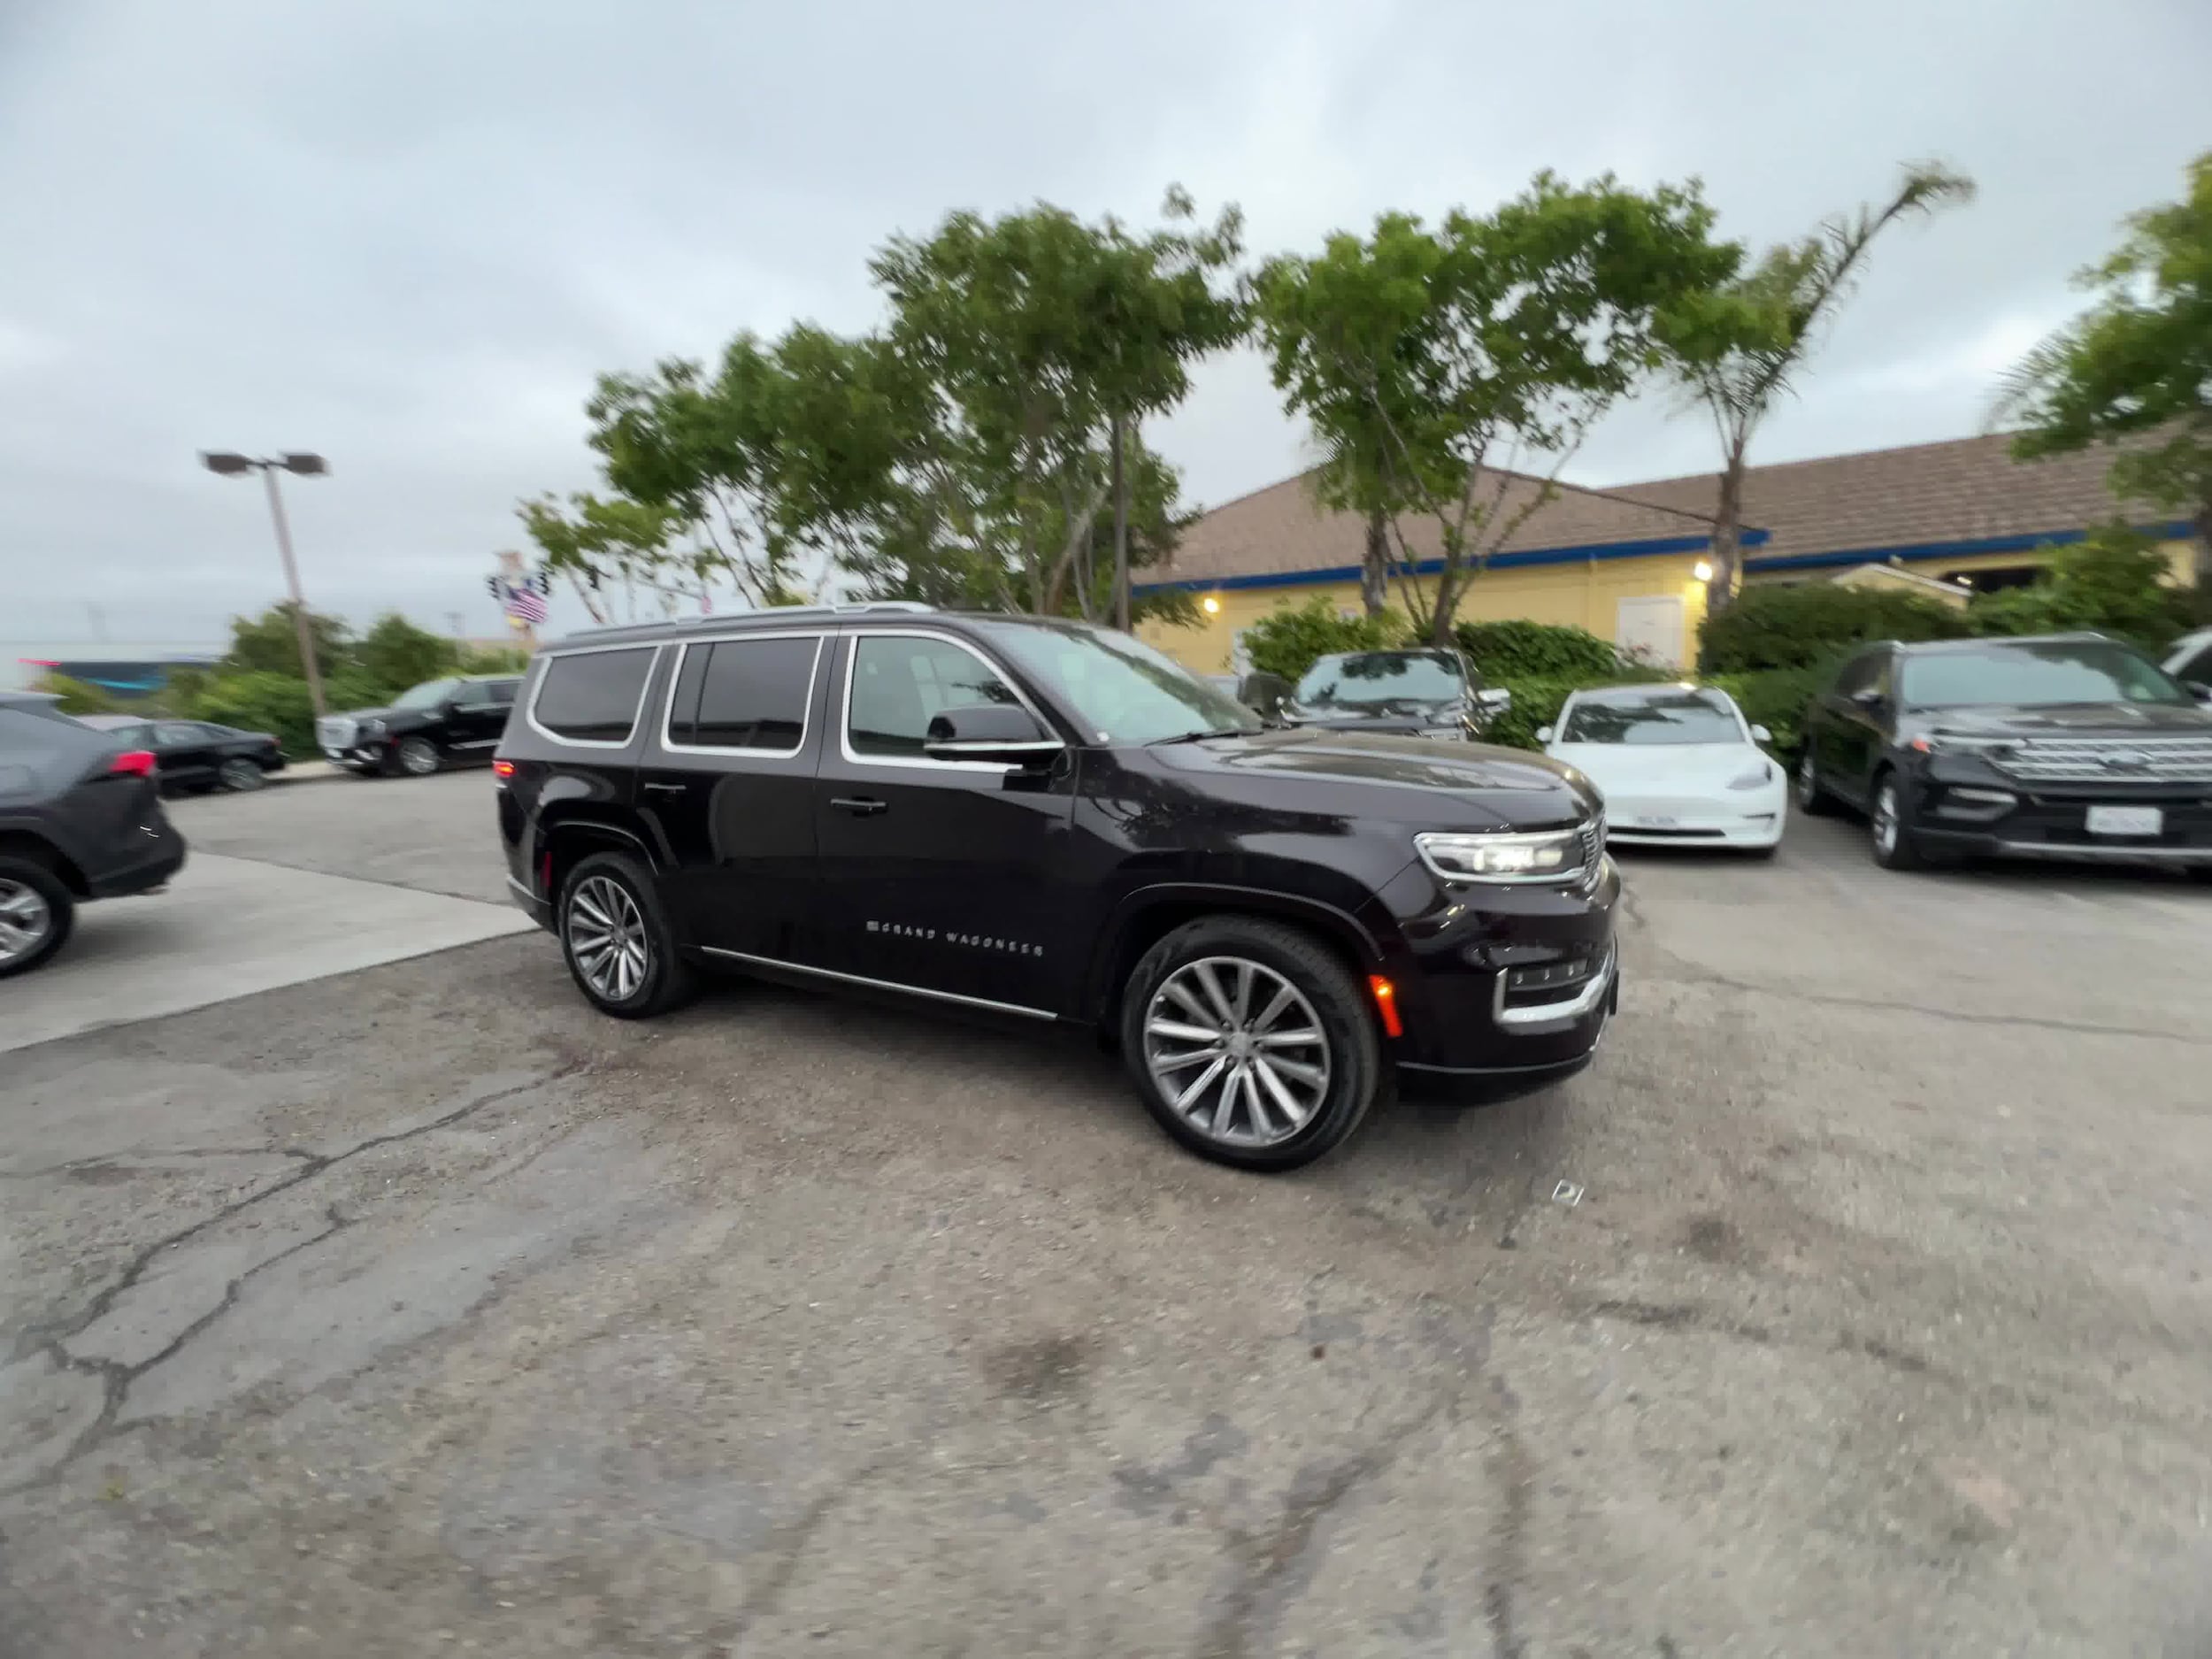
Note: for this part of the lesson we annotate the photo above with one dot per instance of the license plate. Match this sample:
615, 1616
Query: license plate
2126, 820
1653, 820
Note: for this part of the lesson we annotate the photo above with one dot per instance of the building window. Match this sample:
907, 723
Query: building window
1992, 581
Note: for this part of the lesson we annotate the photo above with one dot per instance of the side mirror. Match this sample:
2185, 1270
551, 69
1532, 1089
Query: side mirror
999, 732
1543, 734
1760, 734
2203, 691
1495, 699
1868, 698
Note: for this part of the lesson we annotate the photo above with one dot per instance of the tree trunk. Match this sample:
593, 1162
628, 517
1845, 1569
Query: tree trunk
1121, 530
1720, 588
1374, 566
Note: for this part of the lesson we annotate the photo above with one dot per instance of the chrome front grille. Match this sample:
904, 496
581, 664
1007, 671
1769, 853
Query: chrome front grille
335, 731
2109, 760
1590, 839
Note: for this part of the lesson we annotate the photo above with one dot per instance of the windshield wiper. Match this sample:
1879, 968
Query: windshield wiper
1200, 737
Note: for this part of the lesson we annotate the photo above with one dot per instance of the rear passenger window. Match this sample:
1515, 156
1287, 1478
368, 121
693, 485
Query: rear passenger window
592, 696
501, 691
744, 694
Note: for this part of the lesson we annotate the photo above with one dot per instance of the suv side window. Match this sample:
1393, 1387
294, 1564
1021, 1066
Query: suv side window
1867, 671
591, 696
898, 681
2197, 665
749, 695
500, 694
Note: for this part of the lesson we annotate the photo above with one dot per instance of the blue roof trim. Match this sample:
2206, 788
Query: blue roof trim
1430, 567
1912, 551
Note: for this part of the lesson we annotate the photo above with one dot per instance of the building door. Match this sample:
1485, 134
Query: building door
1651, 627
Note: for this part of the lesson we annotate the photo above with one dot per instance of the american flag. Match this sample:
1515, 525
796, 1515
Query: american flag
523, 602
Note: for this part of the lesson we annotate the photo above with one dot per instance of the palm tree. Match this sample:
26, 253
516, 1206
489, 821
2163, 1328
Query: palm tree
1736, 351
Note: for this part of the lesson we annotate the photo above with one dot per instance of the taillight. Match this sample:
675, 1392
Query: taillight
132, 762
502, 768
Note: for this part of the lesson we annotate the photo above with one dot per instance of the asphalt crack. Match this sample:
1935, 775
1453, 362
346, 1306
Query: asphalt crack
115, 1377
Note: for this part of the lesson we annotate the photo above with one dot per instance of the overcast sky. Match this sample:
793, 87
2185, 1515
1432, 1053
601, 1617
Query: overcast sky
408, 233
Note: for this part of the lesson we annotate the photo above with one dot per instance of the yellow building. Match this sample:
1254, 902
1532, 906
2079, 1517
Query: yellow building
1627, 562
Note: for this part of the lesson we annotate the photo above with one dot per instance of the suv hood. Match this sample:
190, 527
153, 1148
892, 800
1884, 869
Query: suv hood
2069, 719
1400, 714
1401, 779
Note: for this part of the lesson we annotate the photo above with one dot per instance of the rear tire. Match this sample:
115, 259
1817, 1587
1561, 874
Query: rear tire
238, 774
1269, 1067
617, 941
36, 913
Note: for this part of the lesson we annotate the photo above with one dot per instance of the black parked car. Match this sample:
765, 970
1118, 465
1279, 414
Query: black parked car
196, 754
1432, 693
80, 819
1051, 820
438, 724
2069, 746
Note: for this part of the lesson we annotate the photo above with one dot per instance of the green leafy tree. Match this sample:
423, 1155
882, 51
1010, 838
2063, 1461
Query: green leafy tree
601, 546
396, 654
1737, 347
2114, 580
78, 696
2136, 368
1441, 368
269, 644
1032, 346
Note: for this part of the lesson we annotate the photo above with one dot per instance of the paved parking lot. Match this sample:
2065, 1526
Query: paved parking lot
420, 1310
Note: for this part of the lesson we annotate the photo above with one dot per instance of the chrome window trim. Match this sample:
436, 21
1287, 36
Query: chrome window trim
537, 690
845, 712
806, 711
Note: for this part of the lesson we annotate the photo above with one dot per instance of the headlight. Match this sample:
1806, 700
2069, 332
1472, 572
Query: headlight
1944, 744
372, 728
1758, 777
1543, 855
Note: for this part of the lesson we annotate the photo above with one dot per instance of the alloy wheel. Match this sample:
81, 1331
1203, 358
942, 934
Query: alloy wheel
25, 919
606, 936
1807, 781
1886, 819
1237, 1050
417, 758
239, 774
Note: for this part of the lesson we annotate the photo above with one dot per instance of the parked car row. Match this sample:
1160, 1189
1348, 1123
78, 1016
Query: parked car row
196, 755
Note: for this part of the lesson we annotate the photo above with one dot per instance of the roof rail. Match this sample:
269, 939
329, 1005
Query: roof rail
776, 613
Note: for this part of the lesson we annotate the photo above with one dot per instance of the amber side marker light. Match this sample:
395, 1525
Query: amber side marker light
1386, 1004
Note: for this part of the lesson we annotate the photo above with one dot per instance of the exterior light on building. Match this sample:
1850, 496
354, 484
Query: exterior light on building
1702, 570
1211, 605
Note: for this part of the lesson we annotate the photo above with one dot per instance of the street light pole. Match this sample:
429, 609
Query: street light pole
306, 465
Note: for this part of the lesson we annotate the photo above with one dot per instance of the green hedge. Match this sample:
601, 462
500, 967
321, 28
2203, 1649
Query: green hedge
1774, 699
1288, 642
1811, 623
1534, 650
278, 703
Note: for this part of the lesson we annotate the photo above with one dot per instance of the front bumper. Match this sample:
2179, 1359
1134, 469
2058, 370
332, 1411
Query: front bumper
360, 756
1476, 979
1972, 809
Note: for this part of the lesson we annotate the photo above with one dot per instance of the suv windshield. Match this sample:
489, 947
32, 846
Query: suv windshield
2043, 672
429, 694
1360, 679
1656, 717
1124, 691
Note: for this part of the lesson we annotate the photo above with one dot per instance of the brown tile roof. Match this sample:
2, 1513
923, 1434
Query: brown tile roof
1281, 530
1965, 489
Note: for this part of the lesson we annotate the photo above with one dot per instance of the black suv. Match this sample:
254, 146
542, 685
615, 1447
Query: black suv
1053, 820
81, 818
439, 722
2067, 746
1432, 693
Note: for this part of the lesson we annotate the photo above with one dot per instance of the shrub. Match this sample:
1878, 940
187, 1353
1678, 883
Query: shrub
1776, 698
1289, 641
2113, 581
278, 703
1802, 625
77, 697
1534, 650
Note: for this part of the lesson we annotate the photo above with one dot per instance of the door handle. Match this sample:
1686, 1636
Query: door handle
860, 805
666, 788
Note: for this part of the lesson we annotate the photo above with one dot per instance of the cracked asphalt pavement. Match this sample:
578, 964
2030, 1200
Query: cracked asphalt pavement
420, 1310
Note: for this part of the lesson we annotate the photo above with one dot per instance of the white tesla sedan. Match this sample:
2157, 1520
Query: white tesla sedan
1679, 766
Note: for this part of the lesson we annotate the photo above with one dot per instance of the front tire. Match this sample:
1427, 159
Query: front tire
1249, 1043
617, 941
417, 756
36, 912
239, 774
1812, 795
1897, 843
